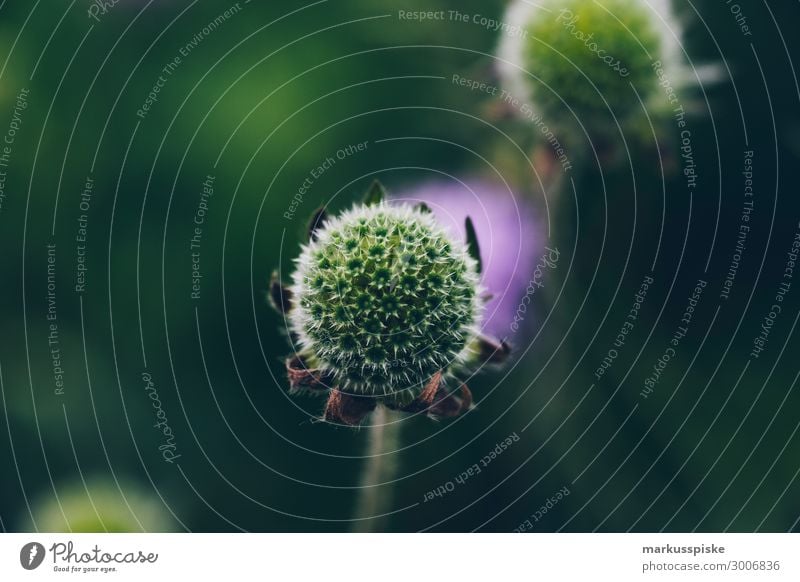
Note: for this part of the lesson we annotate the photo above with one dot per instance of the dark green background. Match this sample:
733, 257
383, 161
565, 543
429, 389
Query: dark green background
313, 81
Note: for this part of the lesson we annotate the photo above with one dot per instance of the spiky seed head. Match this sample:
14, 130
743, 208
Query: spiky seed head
384, 299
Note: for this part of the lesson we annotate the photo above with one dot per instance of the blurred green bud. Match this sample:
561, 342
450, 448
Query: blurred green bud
588, 58
98, 505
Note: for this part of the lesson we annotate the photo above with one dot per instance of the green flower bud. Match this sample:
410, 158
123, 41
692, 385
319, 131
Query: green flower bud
384, 298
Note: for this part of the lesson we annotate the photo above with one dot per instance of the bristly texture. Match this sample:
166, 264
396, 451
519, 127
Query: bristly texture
511, 235
384, 300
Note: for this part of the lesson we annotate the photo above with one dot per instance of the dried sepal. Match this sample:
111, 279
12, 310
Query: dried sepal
305, 379
437, 402
451, 404
348, 409
425, 399
428, 395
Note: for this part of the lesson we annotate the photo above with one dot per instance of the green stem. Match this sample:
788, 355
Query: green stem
375, 499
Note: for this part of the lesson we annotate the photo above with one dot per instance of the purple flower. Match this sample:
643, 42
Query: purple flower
510, 236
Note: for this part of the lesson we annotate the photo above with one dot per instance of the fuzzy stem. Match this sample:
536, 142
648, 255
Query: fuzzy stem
374, 500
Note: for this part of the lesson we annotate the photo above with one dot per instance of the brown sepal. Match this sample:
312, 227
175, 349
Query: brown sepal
302, 378
347, 409
451, 404
423, 402
437, 402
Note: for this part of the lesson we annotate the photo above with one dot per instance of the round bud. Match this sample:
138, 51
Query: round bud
384, 299
587, 59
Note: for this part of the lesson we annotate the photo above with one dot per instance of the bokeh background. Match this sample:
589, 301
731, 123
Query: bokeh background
272, 91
